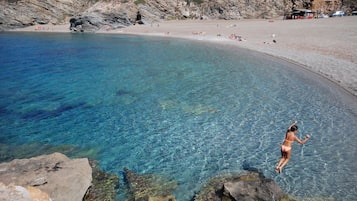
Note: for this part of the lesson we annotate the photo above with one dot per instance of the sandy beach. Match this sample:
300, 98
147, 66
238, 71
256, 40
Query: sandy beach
325, 46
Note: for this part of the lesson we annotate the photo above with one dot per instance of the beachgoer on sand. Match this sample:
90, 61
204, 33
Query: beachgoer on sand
290, 137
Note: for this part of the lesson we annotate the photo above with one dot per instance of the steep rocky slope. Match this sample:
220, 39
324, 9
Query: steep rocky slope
20, 13
91, 15
118, 13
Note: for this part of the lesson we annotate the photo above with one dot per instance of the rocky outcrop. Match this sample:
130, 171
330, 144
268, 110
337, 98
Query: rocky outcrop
56, 177
105, 15
246, 186
104, 185
55, 174
19, 193
149, 187
243, 186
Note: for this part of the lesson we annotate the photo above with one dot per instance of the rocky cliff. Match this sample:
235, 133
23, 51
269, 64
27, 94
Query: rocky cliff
91, 15
119, 13
21, 13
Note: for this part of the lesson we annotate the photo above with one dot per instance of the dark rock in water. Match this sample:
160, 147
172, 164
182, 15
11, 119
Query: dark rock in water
248, 167
244, 186
3, 110
121, 92
104, 185
149, 187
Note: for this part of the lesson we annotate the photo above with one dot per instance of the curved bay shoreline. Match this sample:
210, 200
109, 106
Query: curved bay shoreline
323, 46
331, 56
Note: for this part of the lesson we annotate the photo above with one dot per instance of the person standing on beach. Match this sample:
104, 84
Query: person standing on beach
290, 137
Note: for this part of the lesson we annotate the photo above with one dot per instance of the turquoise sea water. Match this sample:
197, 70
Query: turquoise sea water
182, 109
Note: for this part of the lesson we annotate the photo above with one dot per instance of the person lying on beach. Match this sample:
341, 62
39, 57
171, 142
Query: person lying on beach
236, 37
290, 137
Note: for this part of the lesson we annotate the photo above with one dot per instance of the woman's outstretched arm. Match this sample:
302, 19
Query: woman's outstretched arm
307, 137
295, 122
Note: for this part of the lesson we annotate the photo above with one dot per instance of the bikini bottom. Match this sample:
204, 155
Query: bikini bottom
285, 148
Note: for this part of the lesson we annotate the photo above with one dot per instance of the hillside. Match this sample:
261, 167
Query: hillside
92, 15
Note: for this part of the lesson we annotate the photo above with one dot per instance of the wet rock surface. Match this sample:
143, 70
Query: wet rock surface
104, 185
149, 187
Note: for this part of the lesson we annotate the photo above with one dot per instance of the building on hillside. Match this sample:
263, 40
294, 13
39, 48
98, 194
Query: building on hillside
300, 14
309, 9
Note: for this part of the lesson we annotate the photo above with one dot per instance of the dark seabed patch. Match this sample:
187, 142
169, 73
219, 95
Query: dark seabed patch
45, 114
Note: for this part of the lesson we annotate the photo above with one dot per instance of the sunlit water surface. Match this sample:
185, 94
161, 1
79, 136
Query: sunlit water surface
182, 109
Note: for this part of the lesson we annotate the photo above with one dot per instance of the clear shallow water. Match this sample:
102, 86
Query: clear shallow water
183, 109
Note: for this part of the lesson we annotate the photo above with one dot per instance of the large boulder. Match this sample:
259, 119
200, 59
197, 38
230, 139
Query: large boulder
246, 186
61, 178
92, 22
253, 189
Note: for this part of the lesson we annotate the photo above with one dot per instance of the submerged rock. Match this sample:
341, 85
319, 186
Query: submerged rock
244, 186
149, 187
55, 174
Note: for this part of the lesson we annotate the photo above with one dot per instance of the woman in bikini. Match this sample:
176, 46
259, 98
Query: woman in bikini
290, 137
